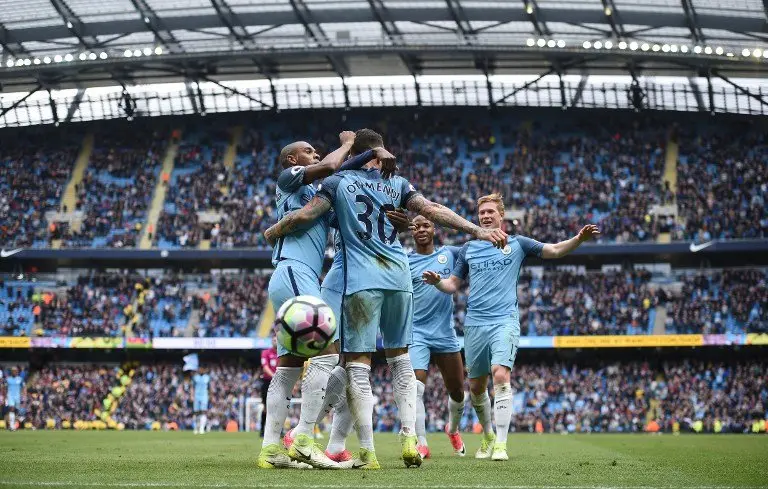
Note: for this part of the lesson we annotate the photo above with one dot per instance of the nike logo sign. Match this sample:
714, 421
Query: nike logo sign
694, 247
6, 254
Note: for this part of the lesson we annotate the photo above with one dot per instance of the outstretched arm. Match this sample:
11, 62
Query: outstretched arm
447, 285
442, 215
295, 220
559, 250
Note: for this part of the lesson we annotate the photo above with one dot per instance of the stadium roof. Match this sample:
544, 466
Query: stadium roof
82, 43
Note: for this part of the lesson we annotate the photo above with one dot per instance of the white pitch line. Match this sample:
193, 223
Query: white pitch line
335, 486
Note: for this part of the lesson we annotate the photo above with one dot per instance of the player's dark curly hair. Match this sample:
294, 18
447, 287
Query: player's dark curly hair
366, 139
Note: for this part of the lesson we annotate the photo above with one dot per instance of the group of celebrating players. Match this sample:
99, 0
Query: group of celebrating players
374, 287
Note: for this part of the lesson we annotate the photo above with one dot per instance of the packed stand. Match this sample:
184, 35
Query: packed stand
560, 303
683, 395
551, 303
235, 308
34, 171
198, 184
117, 189
728, 301
164, 394
565, 304
18, 307
607, 173
117, 304
723, 184
628, 397
58, 396
240, 199
622, 397
563, 174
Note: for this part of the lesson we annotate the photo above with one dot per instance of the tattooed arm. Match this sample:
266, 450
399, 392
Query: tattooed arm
442, 215
297, 219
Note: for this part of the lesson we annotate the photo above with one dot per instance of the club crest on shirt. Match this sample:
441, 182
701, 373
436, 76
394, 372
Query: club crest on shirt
442, 259
506, 250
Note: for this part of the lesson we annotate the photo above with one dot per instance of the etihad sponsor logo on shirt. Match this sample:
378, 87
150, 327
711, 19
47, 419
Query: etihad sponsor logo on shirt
373, 187
491, 265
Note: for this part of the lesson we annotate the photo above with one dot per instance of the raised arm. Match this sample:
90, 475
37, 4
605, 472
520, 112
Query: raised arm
297, 219
558, 250
448, 285
444, 216
332, 161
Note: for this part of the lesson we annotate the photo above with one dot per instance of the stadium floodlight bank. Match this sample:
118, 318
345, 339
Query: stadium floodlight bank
738, 96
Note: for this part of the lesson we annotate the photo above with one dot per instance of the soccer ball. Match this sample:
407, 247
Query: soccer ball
305, 325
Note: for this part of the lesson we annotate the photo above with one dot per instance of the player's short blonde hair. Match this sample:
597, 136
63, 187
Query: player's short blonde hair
495, 198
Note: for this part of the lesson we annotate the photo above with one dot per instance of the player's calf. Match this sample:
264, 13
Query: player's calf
313, 390
421, 417
502, 409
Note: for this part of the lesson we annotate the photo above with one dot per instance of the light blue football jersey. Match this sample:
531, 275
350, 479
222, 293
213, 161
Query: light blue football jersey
306, 245
334, 279
373, 256
14, 387
493, 275
432, 309
201, 385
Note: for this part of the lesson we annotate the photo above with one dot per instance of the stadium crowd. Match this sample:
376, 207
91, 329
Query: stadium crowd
164, 394
34, 171
122, 303
65, 394
709, 302
565, 304
552, 303
681, 395
723, 184
117, 188
561, 172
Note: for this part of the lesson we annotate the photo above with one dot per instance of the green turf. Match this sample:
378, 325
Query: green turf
167, 460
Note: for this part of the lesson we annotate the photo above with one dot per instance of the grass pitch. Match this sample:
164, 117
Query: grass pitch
221, 460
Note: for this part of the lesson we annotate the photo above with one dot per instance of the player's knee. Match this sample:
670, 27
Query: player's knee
364, 358
478, 386
501, 374
457, 395
395, 352
290, 361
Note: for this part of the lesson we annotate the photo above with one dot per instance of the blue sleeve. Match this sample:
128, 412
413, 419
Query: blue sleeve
455, 250
327, 189
357, 162
530, 246
408, 191
291, 178
461, 268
